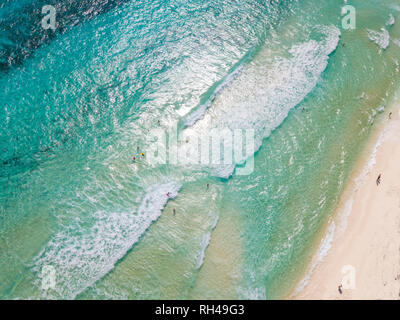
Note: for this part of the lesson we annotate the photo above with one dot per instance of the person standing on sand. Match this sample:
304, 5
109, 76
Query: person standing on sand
378, 181
340, 289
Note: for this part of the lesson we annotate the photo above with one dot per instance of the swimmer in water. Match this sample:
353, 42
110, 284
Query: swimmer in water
142, 154
134, 159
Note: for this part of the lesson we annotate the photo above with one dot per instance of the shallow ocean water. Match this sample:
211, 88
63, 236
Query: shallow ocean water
83, 101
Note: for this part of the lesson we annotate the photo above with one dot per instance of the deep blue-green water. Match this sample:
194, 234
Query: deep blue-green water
79, 102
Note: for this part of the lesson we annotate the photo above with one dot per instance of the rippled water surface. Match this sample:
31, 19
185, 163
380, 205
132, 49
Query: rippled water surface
77, 103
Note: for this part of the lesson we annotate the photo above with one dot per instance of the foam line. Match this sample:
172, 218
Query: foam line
80, 257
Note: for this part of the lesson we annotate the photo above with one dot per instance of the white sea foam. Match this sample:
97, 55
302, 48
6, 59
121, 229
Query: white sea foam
343, 217
360, 180
253, 293
323, 250
396, 42
391, 21
261, 97
382, 38
206, 242
204, 245
81, 256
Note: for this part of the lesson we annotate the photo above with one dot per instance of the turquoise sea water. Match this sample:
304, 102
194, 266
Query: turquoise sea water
77, 103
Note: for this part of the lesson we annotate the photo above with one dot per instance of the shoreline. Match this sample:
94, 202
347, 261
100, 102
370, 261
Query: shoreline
360, 249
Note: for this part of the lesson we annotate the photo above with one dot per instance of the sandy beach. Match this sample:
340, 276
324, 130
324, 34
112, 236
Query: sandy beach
359, 258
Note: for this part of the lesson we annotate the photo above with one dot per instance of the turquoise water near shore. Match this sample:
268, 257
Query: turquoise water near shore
75, 110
